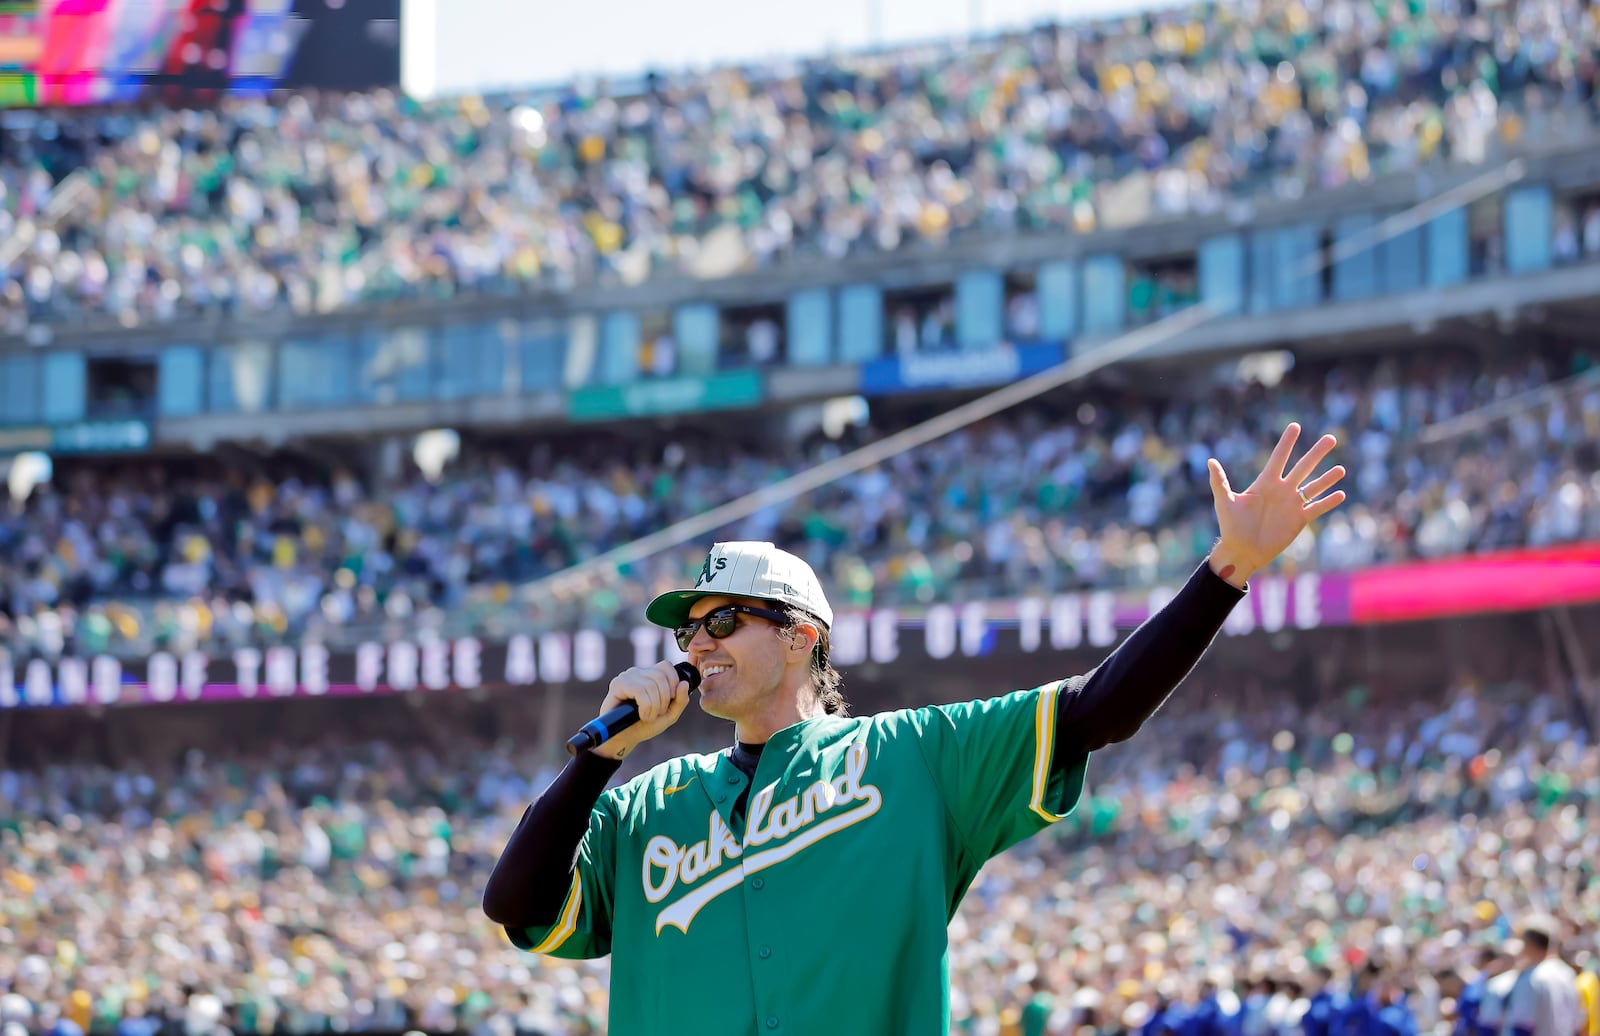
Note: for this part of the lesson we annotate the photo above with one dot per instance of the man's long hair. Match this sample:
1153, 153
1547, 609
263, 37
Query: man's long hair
825, 679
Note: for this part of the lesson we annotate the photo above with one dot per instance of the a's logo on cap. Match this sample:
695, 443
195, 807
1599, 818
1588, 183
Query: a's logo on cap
705, 570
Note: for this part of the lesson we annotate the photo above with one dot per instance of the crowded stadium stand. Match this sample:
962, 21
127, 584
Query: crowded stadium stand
311, 403
1095, 487
1338, 799
316, 203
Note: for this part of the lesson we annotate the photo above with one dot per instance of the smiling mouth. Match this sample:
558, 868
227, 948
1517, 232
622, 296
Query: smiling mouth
715, 670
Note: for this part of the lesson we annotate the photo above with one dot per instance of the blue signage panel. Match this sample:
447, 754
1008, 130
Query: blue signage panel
997, 366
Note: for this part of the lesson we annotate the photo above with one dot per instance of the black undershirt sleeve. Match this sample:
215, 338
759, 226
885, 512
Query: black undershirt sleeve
531, 879
1112, 701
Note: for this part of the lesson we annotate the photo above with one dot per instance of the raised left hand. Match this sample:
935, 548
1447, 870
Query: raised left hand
1257, 525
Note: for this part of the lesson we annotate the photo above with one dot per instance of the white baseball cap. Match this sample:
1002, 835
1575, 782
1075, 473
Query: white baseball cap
746, 568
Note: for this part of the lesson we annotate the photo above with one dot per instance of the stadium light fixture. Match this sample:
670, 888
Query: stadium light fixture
26, 471
434, 449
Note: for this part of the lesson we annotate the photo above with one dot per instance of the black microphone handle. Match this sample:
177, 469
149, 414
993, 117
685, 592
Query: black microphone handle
690, 674
613, 721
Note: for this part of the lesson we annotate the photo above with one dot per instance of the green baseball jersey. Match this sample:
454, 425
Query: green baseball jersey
825, 907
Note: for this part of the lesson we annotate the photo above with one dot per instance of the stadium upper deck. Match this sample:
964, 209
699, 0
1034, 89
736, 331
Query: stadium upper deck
318, 203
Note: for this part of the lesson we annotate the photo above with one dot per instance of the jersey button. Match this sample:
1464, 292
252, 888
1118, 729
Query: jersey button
722, 798
732, 779
766, 951
758, 883
772, 1023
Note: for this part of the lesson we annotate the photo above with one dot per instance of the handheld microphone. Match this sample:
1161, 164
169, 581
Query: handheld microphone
610, 723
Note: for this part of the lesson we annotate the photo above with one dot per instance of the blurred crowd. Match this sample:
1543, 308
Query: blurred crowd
315, 203
1100, 487
1242, 856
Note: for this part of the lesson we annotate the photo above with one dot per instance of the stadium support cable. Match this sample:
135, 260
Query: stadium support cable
1577, 659
1481, 417
573, 578
64, 198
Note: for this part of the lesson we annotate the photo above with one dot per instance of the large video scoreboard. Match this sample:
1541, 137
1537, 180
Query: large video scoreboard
91, 52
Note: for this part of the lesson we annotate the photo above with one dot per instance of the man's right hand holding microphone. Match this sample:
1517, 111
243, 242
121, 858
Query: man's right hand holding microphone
661, 694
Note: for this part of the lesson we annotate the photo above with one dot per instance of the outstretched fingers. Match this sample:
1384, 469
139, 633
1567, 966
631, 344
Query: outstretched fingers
1280, 453
1323, 482
1314, 457
1219, 478
1321, 506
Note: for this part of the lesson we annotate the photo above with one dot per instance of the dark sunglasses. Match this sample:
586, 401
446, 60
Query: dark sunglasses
723, 621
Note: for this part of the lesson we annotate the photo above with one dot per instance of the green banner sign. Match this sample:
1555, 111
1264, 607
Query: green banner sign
657, 396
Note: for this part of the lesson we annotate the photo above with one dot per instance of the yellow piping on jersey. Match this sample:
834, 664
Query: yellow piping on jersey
567, 924
1044, 732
